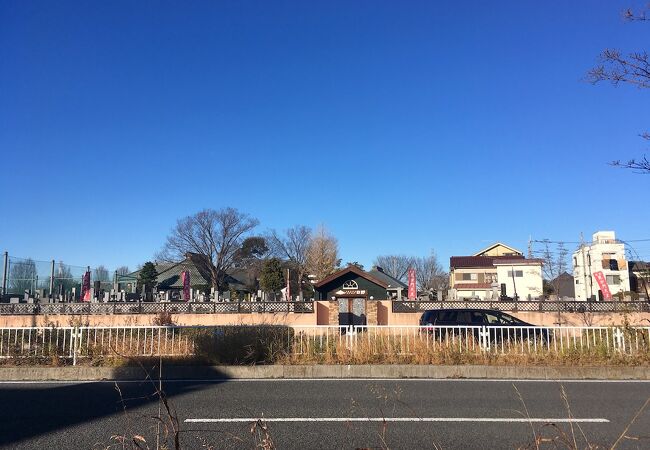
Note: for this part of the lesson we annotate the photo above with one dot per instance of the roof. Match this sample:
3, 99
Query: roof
479, 261
354, 269
391, 281
496, 244
639, 265
518, 261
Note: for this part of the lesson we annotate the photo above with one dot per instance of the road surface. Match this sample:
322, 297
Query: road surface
316, 414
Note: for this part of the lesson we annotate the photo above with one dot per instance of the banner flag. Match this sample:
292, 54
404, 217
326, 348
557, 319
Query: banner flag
185, 275
412, 293
85, 287
602, 284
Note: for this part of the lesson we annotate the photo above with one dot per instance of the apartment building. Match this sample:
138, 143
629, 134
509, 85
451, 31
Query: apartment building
600, 269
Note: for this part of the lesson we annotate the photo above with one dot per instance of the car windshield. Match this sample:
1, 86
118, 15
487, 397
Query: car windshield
509, 320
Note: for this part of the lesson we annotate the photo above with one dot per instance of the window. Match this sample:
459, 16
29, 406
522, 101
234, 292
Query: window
447, 316
492, 319
507, 319
577, 281
613, 279
518, 273
470, 276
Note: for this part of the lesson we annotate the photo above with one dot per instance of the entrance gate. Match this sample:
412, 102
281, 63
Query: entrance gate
352, 311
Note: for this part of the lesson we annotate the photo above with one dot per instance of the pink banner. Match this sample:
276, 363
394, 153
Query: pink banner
85, 287
412, 293
185, 276
602, 284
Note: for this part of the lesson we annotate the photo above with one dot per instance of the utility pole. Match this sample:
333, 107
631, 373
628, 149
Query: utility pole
52, 281
5, 272
584, 266
530, 247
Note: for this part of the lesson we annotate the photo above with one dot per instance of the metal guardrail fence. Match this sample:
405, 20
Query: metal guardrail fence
532, 306
73, 343
155, 308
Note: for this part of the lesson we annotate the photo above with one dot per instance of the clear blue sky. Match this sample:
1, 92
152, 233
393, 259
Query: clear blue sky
402, 126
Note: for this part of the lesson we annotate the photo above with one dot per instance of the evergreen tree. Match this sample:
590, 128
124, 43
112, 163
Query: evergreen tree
272, 276
147, 276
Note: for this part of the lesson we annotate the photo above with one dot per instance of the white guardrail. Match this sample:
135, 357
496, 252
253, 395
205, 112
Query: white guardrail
73, 343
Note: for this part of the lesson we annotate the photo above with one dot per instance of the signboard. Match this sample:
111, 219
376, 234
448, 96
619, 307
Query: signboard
602, 284
412, 293
350, 292
85, 287
185, 276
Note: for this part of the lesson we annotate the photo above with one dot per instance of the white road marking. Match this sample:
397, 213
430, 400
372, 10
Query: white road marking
264, 380
402, 419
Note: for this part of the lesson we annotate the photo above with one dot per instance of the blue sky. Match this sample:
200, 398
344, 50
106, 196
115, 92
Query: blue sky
402, 126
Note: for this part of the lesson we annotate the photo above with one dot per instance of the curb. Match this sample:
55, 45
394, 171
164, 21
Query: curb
80, 373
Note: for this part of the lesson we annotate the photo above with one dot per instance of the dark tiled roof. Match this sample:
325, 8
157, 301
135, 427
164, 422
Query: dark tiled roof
355, 270
479, 261
392, 282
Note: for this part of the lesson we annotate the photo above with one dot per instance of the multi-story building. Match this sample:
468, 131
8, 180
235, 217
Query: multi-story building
495, 272
600, 268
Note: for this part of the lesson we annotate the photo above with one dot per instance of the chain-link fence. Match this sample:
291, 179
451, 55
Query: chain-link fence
33, 279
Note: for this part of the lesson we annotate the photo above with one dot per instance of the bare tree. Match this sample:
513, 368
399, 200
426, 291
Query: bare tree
632, 68
292, 246
396, 266
101, 274
429, 274
213, 235
554, 263
22, 276
123, 270
322, 254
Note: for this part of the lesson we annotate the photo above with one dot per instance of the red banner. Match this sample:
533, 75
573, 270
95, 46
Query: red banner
602, 284
413, 293
185, 276
85, 287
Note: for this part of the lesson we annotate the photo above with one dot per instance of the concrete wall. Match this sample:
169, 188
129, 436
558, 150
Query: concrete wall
326, 314
148, 319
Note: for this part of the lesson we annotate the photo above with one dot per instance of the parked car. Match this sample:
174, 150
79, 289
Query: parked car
500, 324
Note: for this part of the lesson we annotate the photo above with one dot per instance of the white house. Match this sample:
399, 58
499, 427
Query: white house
521, 278
603, 259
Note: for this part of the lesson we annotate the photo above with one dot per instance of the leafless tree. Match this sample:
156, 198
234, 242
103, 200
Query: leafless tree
22, 276
123, 270
322, 254
292, 246
214, 235
101, 274
396, 266
632, 68
429, 274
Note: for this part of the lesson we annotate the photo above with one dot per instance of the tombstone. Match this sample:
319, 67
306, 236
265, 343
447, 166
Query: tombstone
14, 300
30, 300
107, 297
26, 296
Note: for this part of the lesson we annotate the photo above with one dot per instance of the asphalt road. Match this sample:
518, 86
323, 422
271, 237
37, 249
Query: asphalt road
327, 413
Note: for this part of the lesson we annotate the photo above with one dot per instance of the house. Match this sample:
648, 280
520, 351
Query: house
640, 278
604, 260
562, 286
495, 272
169, 278
353, 294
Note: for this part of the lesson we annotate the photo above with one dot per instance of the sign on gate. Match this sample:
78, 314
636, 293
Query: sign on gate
412, 293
